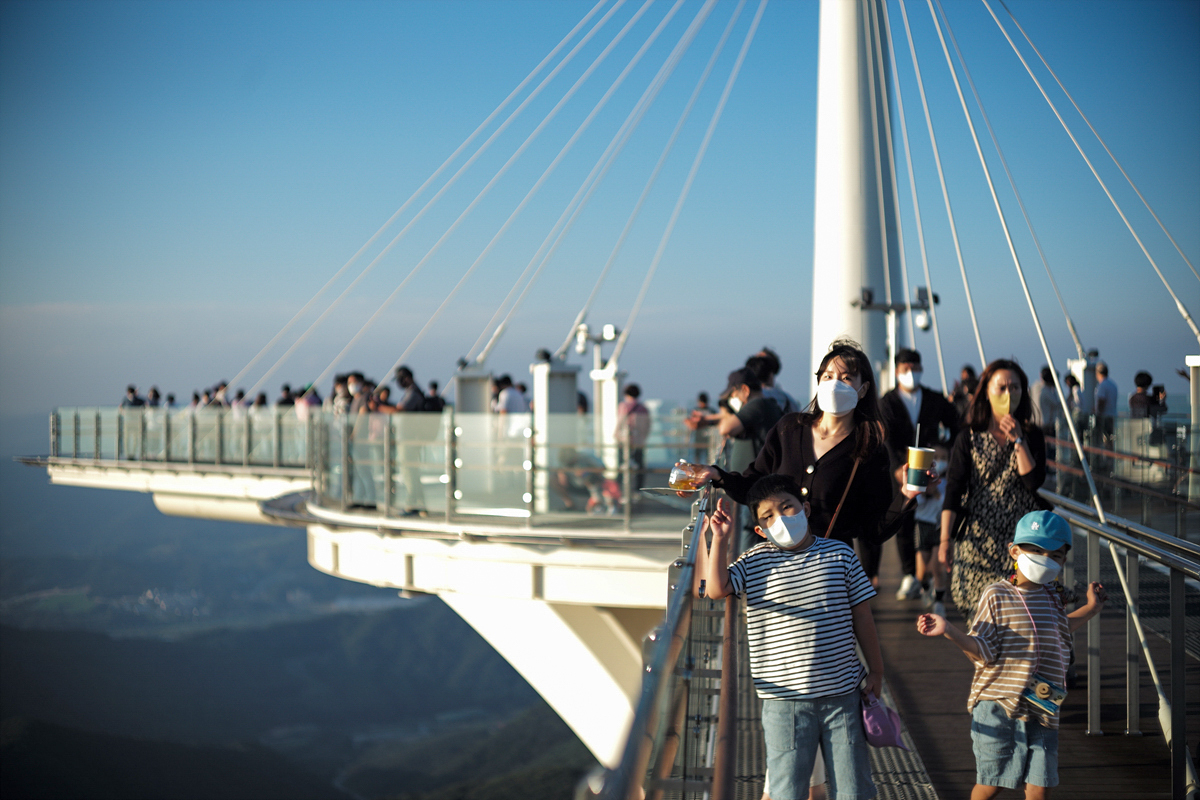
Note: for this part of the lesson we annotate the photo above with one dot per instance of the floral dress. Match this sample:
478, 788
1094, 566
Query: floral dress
996, 499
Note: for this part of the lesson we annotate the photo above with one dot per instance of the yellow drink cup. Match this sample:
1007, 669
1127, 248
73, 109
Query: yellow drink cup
920, 459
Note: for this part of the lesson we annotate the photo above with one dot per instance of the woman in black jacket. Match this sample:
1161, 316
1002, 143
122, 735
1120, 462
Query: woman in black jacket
837, 442
996, 467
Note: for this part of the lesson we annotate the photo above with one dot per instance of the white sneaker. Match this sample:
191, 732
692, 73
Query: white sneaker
939, 608
909, 588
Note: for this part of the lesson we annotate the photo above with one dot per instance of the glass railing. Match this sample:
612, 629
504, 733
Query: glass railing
1144, 470
405, 464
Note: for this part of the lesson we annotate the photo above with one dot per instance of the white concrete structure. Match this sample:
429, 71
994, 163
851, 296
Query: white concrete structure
853, 239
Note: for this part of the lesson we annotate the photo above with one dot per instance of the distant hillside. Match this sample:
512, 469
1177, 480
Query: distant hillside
535, 756
40, 760
344, 670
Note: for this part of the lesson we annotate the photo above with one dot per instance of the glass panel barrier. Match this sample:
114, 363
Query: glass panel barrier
179, 423
418, 463
491, 453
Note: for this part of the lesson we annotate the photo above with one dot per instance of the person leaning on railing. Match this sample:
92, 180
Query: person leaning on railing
835, 450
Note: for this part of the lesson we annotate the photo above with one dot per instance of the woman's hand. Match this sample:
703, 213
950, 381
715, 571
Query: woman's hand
707, 474
1009, 427
934, 480
946, 553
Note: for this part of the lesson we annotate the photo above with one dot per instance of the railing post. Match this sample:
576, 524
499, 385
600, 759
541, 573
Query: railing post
246, 433
347, 487
527, 464
451, 462
1178, 688
191, 437
120, 443
277, 441
54, 434
96, 437
1133, 648
627, 486
725, 761
388, 451
74, 435
1093, 642
142, 434
310, 460
166, 451
218, 455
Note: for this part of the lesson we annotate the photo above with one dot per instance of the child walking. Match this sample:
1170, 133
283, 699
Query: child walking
1020, 644
806, 606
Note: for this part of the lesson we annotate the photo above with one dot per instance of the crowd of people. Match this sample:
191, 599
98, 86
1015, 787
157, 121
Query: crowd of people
818, 491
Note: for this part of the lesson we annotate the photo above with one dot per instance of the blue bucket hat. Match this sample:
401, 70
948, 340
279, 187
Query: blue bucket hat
1045, 529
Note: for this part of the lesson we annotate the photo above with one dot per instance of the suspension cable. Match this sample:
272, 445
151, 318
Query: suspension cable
1178, 303
912, 183
566, 148
891, 152
449, 160
1094, 132
491, 183
937, 160
563, 225
1062, 399
883, 237
687, 186
662, 158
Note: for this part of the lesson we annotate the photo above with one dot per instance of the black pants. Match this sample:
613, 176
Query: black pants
868, 556
906, 547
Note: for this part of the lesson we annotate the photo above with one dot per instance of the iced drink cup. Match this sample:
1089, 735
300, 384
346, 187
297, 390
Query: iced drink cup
920, 459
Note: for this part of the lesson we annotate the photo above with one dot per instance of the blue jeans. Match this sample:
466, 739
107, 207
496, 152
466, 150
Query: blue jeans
1012, 752
792, 729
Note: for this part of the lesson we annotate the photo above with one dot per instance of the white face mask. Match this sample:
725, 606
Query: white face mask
354, 387
1039, 569
787, 533
735, 404
836, 398
909, 380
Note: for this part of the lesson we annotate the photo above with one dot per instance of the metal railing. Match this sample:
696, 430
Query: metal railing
683, 737
1129, 544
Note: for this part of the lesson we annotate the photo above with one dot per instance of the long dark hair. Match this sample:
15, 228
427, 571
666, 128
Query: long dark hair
868, 425
979, 415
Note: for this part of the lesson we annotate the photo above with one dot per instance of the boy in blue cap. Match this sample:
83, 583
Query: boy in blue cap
1020, 643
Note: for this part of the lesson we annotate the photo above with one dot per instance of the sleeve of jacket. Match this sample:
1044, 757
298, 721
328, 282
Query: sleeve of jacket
737, 485
958, 474
889, 406
948, 416
1036, 441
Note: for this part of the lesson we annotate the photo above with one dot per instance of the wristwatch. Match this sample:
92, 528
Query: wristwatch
1018, 440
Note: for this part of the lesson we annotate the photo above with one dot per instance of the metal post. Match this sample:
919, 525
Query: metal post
54, 433
1178, 686
1133, 648
627, 481
142, 435
191, 437
96, 436
310, 460
451, 462
277, 439
388, 450
1193, 365
347, 488
246, 438
166, 451
120, 444
528, 465
74, 436
220, 431
1093, 642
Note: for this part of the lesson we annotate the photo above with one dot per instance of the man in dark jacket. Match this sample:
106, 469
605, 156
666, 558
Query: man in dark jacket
902, 409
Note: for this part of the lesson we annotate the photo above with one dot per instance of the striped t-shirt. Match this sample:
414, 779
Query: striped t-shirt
798, 618
1011, 652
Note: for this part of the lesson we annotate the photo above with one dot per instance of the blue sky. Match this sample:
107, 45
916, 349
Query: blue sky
177, 180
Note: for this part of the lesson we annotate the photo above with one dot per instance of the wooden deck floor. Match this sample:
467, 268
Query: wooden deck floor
929, 679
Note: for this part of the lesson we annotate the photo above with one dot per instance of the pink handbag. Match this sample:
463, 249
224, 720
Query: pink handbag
881, 723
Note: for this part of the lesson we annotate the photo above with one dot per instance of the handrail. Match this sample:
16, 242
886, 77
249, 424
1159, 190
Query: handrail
624, 782
1127, 485
1151, 551
1159, 538
1119, 454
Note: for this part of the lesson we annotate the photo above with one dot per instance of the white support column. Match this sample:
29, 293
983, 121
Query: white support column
848, 238
581, 659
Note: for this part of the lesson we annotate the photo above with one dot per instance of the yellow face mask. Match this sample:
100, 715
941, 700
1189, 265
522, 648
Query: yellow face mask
1001, 404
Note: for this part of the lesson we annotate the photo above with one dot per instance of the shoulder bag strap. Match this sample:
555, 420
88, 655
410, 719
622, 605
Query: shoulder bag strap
845, 492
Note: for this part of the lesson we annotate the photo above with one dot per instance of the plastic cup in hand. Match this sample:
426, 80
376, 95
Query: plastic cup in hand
920, 459
685, 477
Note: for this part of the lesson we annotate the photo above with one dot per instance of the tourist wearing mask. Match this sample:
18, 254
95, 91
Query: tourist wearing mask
903, 409
836, 451
996, 468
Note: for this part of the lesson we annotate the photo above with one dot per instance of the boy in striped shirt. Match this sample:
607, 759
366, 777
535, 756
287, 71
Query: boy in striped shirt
806, 605
1020, 642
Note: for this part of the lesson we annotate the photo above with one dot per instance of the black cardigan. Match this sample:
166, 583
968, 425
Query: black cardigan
958, 477
872, 511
